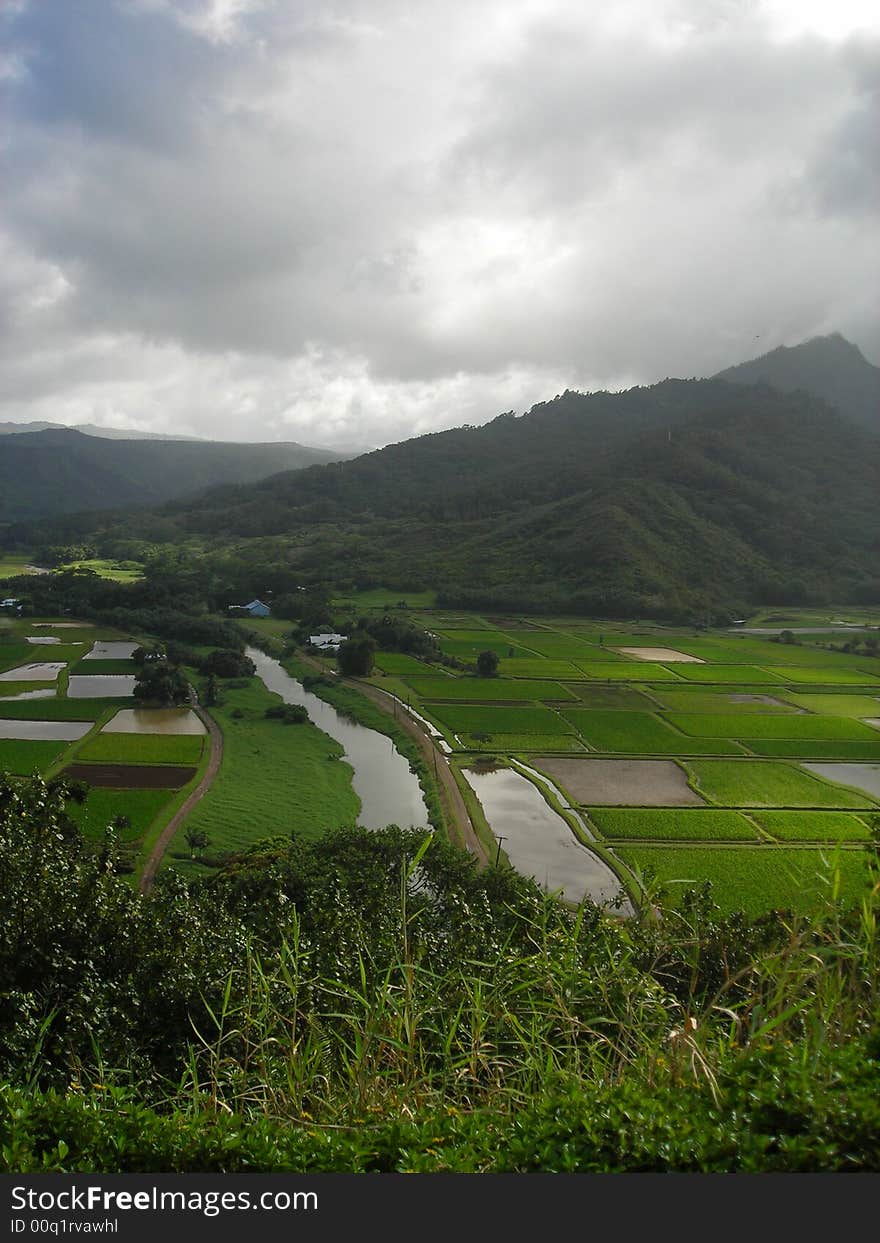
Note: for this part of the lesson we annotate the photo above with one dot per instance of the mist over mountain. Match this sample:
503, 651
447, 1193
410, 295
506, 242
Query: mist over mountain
829, 367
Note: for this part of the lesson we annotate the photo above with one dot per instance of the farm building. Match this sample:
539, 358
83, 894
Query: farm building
327, 642
256, 608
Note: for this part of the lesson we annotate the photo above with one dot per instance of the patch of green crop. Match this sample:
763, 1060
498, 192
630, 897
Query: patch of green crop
183, 749
838, 705
523, 743
22, 756
640, 733
12, 654
669, 823
755, 879
698, 700
825, 676
102, 807
102, 668
552, 645
629, 671
538, 667
487, 690
468, 648
813, 826
57, 709
503, 720
8, 689
400, 662
821, 749
618, 698
729, 674
763, 783
752, 725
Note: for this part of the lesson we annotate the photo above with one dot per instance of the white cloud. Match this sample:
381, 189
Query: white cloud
348, 222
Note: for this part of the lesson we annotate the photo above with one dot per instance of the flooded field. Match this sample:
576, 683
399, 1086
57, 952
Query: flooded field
537, 840
130, 776
33, 673
45, 731
49, 693
64, 625
109, 650
154, 721
622, 783
43, 639
101, 686
666, 654
864, 777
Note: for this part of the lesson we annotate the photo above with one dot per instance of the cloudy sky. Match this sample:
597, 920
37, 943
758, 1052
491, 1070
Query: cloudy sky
346, 222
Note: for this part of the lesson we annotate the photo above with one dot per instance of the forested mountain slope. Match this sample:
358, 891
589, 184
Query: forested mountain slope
828, 367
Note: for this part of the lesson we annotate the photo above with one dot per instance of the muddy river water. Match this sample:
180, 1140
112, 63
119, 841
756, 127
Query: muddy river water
388, 790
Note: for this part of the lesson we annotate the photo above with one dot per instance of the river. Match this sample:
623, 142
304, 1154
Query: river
389, 791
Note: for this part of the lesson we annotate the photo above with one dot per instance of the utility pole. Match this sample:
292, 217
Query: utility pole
501, 839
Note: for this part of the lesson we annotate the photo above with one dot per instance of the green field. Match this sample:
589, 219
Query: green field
117, 571
23, 756
468, 644
103, 806
19, 688
838, 705
824, 676
732, 675
813, 826
12, 566
16, 653
553, 646
101, 668
616, 698
389, 599
698, 700
761, 783
515, 744
58, 709
754, 879
629, 671
640, 733
183, 749
399, 662
538, 667
274, 778
821, 749
487, 690
671, 823
488, 720
780, 725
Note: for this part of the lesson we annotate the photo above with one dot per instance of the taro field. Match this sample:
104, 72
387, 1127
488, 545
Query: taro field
724, 757
66, 711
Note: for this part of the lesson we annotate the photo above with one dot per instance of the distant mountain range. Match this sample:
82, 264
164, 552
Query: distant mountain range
88, 429
658, 501
828, 367
59, 470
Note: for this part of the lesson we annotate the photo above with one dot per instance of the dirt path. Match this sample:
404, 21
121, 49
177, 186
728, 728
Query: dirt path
151, 867
453, 803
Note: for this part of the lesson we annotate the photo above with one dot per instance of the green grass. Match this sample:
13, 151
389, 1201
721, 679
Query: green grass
753, 879
487, 690
386, 598
103, 806
730, 674
274, 779
686, 824
762, 783
183, 749
640, 733
822, 749
488, 720
813, 826
524, 743
400, 662
13, 565
23, 756
629, 671
752, 725
550, 645
467, 645
838, 705
20, 688
825, 675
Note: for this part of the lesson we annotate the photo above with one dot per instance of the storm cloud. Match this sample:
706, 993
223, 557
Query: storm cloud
347, 223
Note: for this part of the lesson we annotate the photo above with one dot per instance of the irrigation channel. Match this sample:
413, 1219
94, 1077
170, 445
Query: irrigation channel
389, 791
